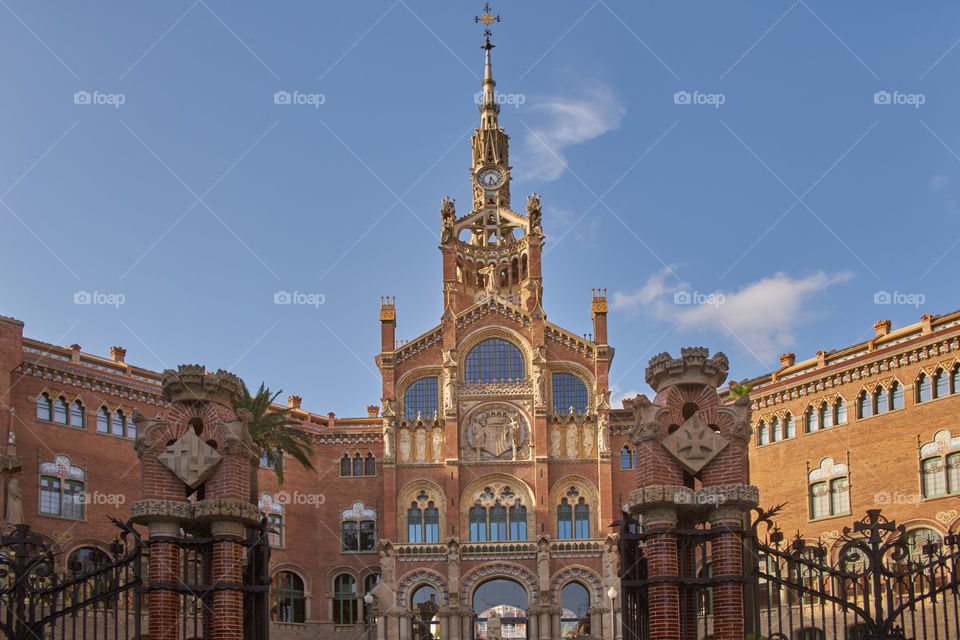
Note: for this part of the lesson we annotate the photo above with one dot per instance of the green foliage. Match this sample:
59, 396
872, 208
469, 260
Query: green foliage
273, 432
737, 391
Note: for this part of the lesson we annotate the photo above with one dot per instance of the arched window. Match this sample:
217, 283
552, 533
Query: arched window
44, 407
826, 416
840, 411
60, 411
829, 490
574, 618
626, 458
274, 512
934, 479
922, 543
425, 605
103, 420
775, 429
923, 388
85, 560
497, 517
864, 405
287, 602
789, 426
358, 526
344, 599
369, 582
896, 395
955, 379
941, 384
811, 420
346, 466
940, 465
358, 465
423, 520
763, 434
61, 489
369, 465
78, 415
493, 360
881, 401
119, 425
573, 516
569, 391
421, 397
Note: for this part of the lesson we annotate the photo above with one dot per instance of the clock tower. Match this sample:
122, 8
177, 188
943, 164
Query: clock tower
492, 250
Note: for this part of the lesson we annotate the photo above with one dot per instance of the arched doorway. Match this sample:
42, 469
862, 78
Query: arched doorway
574, 619
503, 598
425, 605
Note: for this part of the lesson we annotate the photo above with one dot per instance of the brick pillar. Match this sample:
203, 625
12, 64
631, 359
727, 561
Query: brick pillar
164, 569
228, 559
663, 598
726, 557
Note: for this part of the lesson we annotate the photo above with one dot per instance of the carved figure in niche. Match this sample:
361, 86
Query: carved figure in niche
387, 438
448, 215
540, 357
604, 434
405, 445
588, 434
14, 511
449, 393
489, 275
555, 438
572, 441
421, 443
453, 566
610, 562
387, 411
437, 445
388, 562
543, 561
513, 436
541, 387
603, 402
535, 215
449, 358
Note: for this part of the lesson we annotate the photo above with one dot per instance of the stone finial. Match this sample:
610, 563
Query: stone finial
74, 352
117, 354
787, 360
388, 309
192, 383
926, 323
821, 359
599, 300
692, 367
373, 411
294, 402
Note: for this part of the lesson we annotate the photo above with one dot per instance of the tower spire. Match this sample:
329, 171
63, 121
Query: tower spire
489, 108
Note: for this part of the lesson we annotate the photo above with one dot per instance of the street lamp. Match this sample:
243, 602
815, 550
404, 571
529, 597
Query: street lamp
368, 600
612, 594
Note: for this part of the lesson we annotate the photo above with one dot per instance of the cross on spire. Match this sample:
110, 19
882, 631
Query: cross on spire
487, 19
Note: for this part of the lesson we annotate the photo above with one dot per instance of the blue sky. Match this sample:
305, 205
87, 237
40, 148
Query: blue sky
778, 163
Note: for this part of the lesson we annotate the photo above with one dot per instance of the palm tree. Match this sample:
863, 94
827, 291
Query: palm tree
273, 432
737, 391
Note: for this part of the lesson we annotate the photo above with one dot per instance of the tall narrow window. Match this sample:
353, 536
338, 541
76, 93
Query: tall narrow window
923, 388
839, 496
826, 416
775, 429
369, 465
564, 520
287, 603
275, 536
864, 405
763, 435
955, 379
881, 401
78, 415
840, 411
896, 395
941, 384
44, 407
478, 523
789, 426
103, 420
119, 423
344, 599
933, 478
626, 460
346, 467
357, 465
60, 411
498, 522
811, 420
581, 520
431, 523
953, 473
518, 523
421, 397
569, 391
414, 524
819, 500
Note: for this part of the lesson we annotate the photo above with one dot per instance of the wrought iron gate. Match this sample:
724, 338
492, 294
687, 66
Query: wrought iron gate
102, 601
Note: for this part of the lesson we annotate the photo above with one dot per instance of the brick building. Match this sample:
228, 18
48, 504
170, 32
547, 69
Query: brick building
486, 478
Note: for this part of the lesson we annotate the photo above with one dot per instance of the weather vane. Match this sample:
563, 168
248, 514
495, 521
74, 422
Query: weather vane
487, 19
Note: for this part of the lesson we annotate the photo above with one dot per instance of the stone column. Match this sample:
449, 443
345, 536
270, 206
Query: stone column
454, 625
545, 624
382, 627
404, 620
555, 622
596, 621
445, 624
533, 620
466, 624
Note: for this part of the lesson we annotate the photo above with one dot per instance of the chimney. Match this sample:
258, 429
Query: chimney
882, 328
926, 322
787, 360
74, 353
331, 420
373, 410
117, 354
388, 324
821, 359
599, 308
294, 402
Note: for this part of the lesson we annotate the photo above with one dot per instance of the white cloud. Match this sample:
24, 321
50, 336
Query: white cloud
762, 316
939, 181
561, 121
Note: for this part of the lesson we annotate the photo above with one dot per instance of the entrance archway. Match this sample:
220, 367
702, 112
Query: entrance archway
575, 604
503, 598
425, 604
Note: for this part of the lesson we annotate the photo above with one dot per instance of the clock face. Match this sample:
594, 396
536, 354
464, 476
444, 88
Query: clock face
490, 178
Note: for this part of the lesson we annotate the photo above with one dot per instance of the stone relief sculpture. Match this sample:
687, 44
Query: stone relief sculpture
588, 435
449, 392
572, 441
453, 566
611, 561
535, 215
387, 438
603, 434
555, 441
405, 445
448, 215
540, 387
437, 445
14, 510
421, 445
495, 432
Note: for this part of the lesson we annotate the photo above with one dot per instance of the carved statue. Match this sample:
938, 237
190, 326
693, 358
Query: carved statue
477, 435
14, 511
448, 214
489, 273
453, 566
449, 393
387, 411
388, 563
494, 626
588, 439
450, 358
534, 215
387, 438
421, 444
543, 562
555, 439
572, 440
437, 445
603, 402
541, 387
513, 436
610, 562
603, 434
405, 446
540, 357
